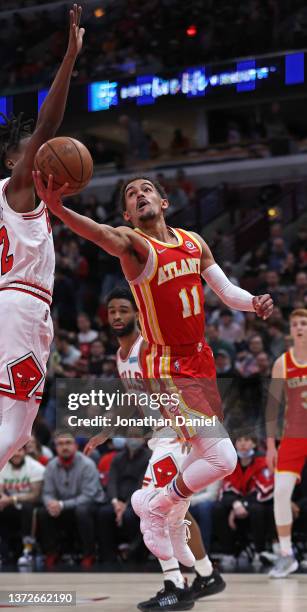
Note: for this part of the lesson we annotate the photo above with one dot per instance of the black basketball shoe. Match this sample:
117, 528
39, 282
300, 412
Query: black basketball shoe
203, 586
169, 598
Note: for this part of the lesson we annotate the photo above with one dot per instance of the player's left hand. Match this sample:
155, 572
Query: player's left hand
263, 305
75, 32
51, 197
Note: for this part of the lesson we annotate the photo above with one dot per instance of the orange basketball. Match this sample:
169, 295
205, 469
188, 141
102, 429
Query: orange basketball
68, 160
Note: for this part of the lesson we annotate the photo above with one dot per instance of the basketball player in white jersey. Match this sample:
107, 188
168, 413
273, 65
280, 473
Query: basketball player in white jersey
164, 464
27, 260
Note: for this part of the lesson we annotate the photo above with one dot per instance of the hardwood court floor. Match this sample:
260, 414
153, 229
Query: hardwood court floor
244, 592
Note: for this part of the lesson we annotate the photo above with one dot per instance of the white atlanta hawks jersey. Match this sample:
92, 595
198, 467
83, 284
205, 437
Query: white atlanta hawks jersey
27, 257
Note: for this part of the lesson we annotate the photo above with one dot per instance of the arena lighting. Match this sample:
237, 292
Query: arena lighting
99, 12
191, 30
273, 213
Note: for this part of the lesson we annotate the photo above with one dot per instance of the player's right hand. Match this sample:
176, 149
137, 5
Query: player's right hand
94, 442
271, 458
47, 194
75, 32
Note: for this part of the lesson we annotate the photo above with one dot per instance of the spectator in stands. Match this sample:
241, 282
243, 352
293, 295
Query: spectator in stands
277, 339
71, 494
288, 269
63, 303
137, 145
228, 329
300, 287
37, 451
278, 254
113, 445
177, 197
96, 358
223, 364
64, 358
216, 341
299, 246
116, 519
263, 364
201, 508
86, 335
272, 284
246, 502
180, 144
248, 366
20, 491
185, 183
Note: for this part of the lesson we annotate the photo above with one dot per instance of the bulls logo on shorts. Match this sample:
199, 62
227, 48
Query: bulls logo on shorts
25, 376
164, 470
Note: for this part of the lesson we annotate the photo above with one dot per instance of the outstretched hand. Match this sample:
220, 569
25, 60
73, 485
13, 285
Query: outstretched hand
51, 197
263, 305
75, 32
94, 442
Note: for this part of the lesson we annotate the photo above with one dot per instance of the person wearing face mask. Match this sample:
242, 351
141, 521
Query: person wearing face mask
116, 519
246, 502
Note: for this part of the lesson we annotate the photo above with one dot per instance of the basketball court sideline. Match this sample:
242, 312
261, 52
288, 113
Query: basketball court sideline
122, 592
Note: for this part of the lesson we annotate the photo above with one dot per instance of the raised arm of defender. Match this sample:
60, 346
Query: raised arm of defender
49, 119
122, 242
233, 296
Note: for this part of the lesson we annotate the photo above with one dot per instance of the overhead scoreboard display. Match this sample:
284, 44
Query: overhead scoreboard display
265, 75
230, 82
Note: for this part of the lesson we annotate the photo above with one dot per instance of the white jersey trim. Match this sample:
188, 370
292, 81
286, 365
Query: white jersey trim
150, 267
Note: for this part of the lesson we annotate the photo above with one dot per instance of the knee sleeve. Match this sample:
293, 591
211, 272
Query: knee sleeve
283, 489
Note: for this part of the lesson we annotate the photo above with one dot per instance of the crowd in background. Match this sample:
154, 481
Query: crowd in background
71, 493
129, 37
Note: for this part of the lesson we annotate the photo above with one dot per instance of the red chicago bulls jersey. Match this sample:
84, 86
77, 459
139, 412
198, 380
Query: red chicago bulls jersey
169, 292
296, 397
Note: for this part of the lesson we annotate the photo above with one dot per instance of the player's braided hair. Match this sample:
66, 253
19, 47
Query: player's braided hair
11, 133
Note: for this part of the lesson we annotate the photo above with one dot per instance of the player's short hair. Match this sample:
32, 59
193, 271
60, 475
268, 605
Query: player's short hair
159, 188
12, 131
298, 312
121, 293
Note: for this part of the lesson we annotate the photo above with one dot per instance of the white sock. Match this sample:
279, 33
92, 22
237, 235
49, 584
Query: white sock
285, 545
172, 572
204, 566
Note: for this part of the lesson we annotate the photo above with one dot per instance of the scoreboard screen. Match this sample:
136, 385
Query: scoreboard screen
263, 74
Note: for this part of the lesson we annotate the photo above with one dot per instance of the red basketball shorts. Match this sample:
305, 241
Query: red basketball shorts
188, 371
292, 454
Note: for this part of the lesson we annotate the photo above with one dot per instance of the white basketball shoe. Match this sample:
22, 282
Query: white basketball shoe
180, 534
152, 507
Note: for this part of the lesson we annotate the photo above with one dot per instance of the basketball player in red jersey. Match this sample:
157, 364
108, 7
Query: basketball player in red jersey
164, 267
27, 260
164, 463
289, 377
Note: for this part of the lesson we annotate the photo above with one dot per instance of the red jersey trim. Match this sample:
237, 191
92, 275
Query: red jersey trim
27, 284
40, 297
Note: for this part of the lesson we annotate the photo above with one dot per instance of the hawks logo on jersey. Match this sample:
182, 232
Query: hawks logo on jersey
169, 293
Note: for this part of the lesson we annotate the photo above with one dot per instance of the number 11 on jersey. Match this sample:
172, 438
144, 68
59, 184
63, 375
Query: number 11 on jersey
190, 302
